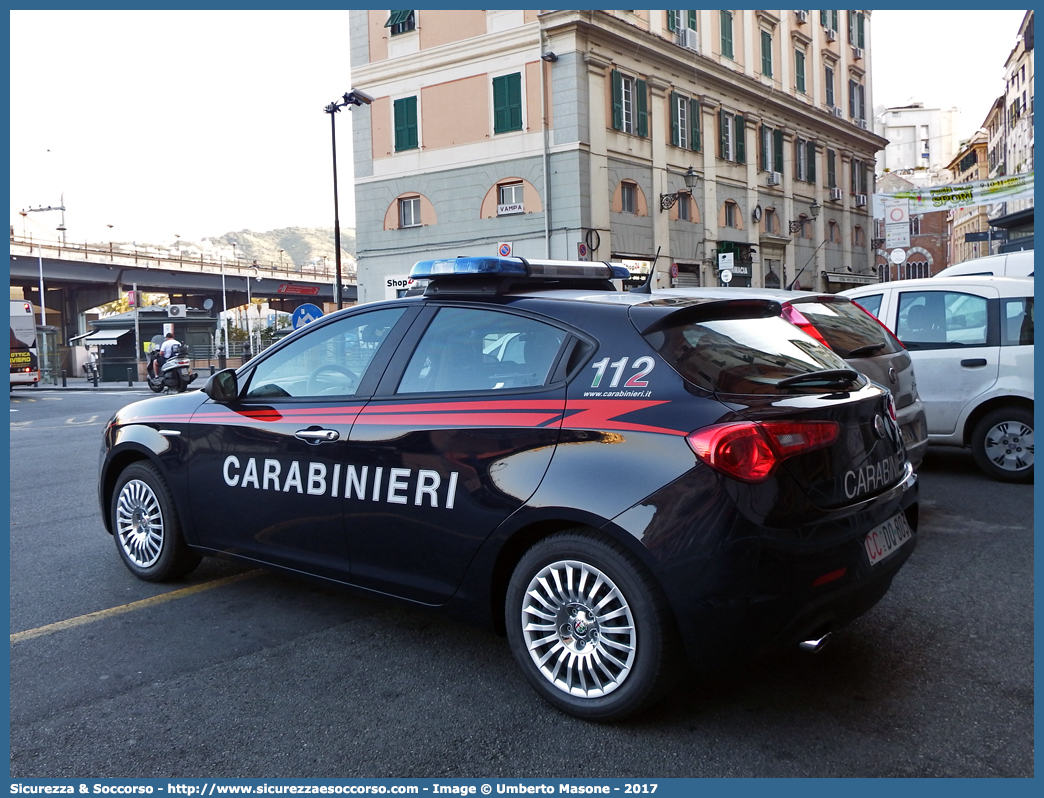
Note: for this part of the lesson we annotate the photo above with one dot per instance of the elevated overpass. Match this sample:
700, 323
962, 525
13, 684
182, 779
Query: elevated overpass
79, 277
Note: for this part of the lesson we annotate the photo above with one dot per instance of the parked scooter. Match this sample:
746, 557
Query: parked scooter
174, 375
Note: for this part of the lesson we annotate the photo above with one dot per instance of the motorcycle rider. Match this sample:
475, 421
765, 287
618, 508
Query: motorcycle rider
167, 350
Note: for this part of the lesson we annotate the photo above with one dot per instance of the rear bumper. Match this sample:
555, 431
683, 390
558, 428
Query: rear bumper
743, 591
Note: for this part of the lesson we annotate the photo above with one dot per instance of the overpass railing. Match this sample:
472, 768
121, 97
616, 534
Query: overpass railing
129, 255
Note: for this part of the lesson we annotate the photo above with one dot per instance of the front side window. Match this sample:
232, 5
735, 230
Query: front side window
406, 124
468, 349
507, 103
409, 212
941, 319
328, 361
401, 22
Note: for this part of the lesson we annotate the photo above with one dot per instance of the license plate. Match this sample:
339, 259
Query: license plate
888, 537
910, 434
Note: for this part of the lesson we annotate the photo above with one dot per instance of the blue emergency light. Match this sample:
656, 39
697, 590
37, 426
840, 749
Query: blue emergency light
519, 268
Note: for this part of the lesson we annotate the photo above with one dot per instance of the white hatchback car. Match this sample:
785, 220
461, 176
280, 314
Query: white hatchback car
971, 340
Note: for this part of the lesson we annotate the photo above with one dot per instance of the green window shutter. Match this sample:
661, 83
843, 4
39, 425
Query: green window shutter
692, 20
831, 170
799, 70
642, 106
617, 100
405, 111
721, 135
726, 34
507, 103
741, 140
851, 27
811, 150
694, 124
777, 150
829, 75
860, 30
766, 53
675, 122
397, 18
833, 19
672, 23
824, 19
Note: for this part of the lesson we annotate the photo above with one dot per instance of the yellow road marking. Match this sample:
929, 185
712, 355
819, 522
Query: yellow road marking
91, 617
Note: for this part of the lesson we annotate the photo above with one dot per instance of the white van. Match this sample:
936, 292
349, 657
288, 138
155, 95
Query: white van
1008, 264
971, 341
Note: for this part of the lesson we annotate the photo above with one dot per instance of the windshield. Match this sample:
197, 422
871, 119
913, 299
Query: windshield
743, 356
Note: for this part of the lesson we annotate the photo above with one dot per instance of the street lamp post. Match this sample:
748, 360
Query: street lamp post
353, 97
691, 181
798, 226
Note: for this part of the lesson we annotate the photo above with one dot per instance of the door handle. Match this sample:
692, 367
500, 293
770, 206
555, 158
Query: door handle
317, 436
975, 362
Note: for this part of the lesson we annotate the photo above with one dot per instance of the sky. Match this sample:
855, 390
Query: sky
199, 123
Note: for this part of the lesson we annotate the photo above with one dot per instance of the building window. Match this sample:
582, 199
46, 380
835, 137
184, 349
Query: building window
805, 160
770, 149
409, 212
726, 34
684, 203
858, 182
833, 232
401, 22
828, 19
856, 100
917, 269
405, 124
771, 221
678, 21
630, 104
858, 236
828, 83
628, 197
915, 226
507, 103
731, 213
766, 53
510, 199
856, 29
731, 135
799, 71
831, 169
685, 122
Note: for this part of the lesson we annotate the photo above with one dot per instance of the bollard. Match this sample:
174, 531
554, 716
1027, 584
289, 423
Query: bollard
65, 384
221, 358
95, 376
213, 368
130, 378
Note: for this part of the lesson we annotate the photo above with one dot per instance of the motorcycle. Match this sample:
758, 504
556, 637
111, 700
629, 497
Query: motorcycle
174, 375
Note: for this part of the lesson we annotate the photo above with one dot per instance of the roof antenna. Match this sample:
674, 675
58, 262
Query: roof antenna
646, 287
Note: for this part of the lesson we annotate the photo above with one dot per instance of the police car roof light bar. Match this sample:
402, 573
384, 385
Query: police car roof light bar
519, 268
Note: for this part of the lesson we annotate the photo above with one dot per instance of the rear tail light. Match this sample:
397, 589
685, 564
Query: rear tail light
799, 320
750, 451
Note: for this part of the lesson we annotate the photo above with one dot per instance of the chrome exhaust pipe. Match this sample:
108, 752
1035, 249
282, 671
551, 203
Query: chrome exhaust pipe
812, 646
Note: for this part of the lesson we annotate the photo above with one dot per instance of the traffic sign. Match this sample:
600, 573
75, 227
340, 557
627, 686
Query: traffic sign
726, 275
582, 252
725, 260
504, 249
897, 256
304, 314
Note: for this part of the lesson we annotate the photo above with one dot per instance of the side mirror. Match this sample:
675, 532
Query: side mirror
222, 386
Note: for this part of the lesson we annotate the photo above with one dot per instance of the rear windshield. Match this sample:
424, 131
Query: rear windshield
743, 356
848, 329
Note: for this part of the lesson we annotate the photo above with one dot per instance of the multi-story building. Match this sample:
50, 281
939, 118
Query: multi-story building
657, 138
929, 249
921, 142
971, 163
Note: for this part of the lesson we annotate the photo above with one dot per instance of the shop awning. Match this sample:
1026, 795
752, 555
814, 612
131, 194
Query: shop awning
104, 337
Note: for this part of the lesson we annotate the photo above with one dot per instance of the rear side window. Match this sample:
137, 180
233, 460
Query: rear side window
468, 349
941, 319
848, 329
870, 303
743, 356
1017, 322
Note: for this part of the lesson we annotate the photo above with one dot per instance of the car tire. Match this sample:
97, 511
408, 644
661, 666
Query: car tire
146, 526
1002, 444
589, 627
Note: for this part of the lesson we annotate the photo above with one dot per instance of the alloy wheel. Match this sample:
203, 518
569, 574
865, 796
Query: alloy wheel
139, 523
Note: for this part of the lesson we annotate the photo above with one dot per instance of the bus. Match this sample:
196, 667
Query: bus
25, 366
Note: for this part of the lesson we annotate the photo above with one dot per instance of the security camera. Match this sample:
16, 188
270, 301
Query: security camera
358, 97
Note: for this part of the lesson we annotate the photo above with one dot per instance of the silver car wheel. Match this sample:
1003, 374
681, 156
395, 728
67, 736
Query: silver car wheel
139, 523
579, 629
1009, 445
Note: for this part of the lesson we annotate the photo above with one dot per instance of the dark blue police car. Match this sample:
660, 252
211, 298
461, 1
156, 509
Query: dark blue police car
618, 481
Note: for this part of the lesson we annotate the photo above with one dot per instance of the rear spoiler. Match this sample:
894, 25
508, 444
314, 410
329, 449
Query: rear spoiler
652, 317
